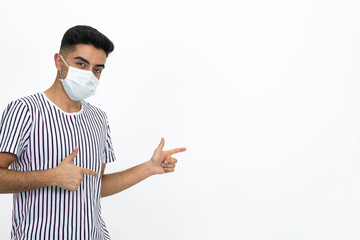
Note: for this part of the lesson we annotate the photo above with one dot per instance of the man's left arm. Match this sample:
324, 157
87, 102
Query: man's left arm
160, 162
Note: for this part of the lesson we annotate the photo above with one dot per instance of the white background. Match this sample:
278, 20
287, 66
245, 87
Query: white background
264, 94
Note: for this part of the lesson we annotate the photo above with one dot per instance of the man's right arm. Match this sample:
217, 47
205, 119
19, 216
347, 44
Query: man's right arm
12, 181
66, 175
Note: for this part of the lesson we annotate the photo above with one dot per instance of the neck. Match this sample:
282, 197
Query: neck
58, 96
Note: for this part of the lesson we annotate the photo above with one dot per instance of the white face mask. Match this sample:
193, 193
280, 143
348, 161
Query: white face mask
79, 84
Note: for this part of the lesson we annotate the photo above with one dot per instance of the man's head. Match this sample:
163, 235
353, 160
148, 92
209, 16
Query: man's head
82, 34
85, 48
83, 51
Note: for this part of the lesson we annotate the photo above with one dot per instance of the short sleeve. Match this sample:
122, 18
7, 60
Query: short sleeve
109, 155
15, 128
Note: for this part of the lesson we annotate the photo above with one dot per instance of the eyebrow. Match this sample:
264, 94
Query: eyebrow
84, 60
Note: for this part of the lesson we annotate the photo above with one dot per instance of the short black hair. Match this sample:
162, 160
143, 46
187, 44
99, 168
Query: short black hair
82, 34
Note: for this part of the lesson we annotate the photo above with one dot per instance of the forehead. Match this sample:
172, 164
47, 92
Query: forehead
90, 53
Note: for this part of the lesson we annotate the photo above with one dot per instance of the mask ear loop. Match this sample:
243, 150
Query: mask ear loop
62, 78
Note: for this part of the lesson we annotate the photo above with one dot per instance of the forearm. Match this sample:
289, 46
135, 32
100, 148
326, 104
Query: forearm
117, 182
12, 181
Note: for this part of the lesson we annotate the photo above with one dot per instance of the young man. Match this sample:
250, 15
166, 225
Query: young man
57, 146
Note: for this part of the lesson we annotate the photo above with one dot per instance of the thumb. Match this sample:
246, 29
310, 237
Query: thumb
161, 145
72, 155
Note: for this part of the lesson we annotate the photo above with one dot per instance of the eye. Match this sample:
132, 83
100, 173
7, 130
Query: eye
80, 64
98, 70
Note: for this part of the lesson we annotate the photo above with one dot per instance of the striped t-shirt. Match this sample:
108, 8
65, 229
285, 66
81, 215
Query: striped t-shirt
42, 135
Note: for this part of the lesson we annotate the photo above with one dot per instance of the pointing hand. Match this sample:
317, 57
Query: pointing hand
162, 161
68, 175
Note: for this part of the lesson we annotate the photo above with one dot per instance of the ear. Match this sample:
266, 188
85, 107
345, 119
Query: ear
58, 61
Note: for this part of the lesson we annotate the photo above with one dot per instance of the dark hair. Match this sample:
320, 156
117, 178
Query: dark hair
82, 34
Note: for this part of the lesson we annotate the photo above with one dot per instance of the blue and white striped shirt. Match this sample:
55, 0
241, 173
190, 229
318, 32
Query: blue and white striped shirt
42, 135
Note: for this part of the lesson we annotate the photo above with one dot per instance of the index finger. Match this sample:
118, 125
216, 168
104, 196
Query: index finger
88, 172
176, 150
